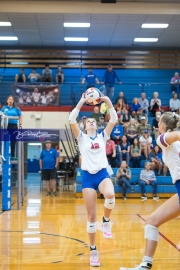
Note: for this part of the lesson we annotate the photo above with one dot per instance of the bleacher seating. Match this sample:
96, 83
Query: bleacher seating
165, 186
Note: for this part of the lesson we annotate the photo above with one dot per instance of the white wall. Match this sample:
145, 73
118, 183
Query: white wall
54, 120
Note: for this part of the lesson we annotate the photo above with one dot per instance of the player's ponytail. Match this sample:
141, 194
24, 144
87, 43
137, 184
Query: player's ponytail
171, 120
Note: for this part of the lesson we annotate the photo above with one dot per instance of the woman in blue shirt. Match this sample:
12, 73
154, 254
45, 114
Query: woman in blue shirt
135, 106
11, 109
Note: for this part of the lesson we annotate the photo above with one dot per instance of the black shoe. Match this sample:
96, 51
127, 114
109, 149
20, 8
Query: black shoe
54, 193
48, 193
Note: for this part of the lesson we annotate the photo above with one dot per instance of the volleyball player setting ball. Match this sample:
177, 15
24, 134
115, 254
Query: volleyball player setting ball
94, 173
169, 141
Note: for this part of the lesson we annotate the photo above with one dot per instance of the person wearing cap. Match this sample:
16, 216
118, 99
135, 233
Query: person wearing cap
90, 79
96, 114
143, 101
174, 103
49, 161
146, 142
101, 124
155, 125
108, 80
139, 115
143, 126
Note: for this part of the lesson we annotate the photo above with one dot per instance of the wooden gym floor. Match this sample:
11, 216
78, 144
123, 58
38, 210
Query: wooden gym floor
50, 233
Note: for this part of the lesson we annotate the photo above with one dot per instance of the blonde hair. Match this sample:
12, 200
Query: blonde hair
171, 120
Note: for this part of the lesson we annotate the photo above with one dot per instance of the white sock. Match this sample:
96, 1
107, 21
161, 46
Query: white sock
106, 219
147, 259
93, 247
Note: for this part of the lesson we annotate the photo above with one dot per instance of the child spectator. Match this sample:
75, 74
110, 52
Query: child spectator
47, 74
59, 75
135, 106
21, 77
146, 142
136, 153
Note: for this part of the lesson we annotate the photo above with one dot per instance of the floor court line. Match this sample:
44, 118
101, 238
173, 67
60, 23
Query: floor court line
163, 236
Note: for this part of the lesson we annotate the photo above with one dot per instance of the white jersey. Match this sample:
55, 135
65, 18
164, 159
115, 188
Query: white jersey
171, 156
93, 152
36, 96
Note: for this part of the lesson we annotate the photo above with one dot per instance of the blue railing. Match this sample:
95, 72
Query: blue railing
70, 92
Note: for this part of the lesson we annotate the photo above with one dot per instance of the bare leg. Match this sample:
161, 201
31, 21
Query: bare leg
159, 167
145, 152
54, 184
167, 211
48, 185
165, 169
16, 78
24, 78
107, 189
90, 197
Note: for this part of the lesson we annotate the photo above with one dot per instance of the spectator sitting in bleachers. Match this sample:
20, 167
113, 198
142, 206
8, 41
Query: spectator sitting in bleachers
135, 106
101, 124
119, 107
178, 111
104, 109
132, 130
155, 157
81, 125
147, 177
21, 77
136, 153
143, 126
143, 101
117, 133
139, 115
96, 114
155, 126
109, 80
125, 118
175, 83
155, 105
90, 79
34, 76
157, 162
146, 142
47, 74
123, 175
121, 95
124, 150
59, 74
174, 103
111, 152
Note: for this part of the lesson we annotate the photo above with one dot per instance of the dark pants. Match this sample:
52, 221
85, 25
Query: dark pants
152, 183
125, 184
13, 144
131, 140
112, 160
136, 161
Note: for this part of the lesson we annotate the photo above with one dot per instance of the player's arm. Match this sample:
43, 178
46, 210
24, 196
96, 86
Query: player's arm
113, 115
171, 137
73, 116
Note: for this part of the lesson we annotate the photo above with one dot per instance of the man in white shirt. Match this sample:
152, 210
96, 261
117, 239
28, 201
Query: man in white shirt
143, 101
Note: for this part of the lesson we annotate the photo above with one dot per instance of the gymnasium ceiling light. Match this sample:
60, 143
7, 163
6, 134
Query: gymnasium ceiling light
5, 24
8, 38
75, 39
76, 24
145, 39
155, 25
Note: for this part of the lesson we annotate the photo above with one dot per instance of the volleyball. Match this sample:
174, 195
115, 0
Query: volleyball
93, 95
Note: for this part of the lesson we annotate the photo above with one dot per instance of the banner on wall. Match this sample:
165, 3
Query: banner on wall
36, 95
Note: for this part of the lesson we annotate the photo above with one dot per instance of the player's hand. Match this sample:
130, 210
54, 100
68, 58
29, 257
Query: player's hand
104, 98
83, 99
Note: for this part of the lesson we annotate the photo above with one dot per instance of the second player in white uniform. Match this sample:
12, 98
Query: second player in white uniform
169, 141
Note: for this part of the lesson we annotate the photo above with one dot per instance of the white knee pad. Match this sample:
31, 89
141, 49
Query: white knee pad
151, 232
91, 227
109, 203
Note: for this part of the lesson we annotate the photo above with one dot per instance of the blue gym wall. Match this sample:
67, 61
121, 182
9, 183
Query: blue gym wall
129, 76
